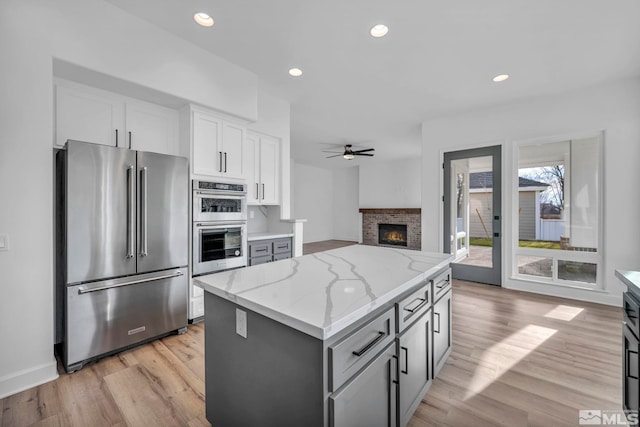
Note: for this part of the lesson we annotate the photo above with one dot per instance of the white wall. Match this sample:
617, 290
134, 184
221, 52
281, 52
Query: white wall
390, 184
346, 218
313, 201
26, 168
614, 108
113, 43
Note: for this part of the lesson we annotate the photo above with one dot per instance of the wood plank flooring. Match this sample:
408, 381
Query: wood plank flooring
518, 359
325, 245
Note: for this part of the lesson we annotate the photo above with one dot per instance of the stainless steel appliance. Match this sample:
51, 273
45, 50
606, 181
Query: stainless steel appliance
219, 226
122, 237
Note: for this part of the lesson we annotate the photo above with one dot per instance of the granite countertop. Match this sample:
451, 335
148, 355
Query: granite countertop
629, 278
323, 293
265, 236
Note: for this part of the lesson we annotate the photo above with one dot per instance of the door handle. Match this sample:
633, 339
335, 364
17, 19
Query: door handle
406, 361
143, 212
116, 137
263, 191
257, 191
130, 213
225, 162
129, 140
434, 330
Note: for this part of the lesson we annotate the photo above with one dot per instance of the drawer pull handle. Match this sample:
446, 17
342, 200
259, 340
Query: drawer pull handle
367, 347
444, 283
261, 250
423, 302
283, 247
438, 331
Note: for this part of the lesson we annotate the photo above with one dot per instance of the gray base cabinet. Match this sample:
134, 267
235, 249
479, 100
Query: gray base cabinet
269, 250
442, 337
414, 366
369, 399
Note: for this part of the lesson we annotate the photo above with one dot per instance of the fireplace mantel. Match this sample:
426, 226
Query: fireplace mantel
409, 211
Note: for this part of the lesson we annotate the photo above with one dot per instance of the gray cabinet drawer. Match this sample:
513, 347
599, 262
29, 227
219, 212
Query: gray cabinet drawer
260, 249
413, 306
260, 260
278, 257
282, 246
352, 353
441, 284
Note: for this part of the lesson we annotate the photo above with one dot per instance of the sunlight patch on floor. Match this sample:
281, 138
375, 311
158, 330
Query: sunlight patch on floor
564, 312
506, 354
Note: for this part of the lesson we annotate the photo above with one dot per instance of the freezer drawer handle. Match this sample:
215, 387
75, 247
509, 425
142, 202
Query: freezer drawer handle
367, 347
83, 290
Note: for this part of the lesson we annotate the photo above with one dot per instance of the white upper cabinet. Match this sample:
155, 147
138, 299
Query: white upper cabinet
87, 115
207, 137
93, 115
217, 146
262, 154
151, 127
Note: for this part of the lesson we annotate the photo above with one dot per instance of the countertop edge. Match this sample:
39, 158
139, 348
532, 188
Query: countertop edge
629, 278
267, 236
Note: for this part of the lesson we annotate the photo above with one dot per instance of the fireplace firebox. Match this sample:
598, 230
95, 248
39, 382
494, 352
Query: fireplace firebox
392, 234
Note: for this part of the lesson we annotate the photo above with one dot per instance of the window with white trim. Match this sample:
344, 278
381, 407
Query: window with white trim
558, 214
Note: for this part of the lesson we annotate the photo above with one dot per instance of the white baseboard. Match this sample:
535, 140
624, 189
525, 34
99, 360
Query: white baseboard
27, 378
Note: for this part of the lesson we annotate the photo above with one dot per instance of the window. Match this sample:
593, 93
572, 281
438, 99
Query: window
559, 212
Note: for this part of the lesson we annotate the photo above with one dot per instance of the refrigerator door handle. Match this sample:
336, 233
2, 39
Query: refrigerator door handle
143, 212
131, 213
87, 289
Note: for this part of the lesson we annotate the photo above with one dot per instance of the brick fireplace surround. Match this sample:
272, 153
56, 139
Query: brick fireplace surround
409, 216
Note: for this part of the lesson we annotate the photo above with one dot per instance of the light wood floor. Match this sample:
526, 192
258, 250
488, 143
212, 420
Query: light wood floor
518, 359
325, 245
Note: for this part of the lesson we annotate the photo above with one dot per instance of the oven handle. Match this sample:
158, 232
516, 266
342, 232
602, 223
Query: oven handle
219, 225
234, 195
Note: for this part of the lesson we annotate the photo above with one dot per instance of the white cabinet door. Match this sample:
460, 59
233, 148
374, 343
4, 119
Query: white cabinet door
207, 145
152, 128
232, 138
87, 115
269, 171
251, 167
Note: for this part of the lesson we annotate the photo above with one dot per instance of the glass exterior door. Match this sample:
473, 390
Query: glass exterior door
472, 213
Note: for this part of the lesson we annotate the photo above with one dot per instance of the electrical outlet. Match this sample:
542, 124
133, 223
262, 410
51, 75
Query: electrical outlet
252, 214
241, 323
4, 242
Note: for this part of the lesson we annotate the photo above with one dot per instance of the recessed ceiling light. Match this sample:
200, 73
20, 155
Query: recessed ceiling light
295, 72
379, 30
500, 78
203, 19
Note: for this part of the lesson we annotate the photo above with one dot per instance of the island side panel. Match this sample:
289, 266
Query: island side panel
274, 377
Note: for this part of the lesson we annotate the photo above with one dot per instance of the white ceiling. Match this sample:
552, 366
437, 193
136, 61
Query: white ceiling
438, 58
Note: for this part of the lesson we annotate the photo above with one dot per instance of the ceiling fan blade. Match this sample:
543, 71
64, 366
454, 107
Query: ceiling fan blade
355, 153
325, 151
328, 157
362, 151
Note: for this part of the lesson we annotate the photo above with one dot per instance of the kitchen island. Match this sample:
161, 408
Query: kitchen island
324, 339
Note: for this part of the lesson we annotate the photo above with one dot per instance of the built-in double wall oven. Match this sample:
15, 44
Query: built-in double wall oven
219, 226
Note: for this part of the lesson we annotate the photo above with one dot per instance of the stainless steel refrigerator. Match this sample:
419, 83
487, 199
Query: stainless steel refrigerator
122, 248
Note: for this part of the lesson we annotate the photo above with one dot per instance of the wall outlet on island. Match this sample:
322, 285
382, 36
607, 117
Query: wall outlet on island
4, 242
241, 323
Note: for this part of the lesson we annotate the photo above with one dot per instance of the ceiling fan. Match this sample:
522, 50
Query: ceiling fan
350, 154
